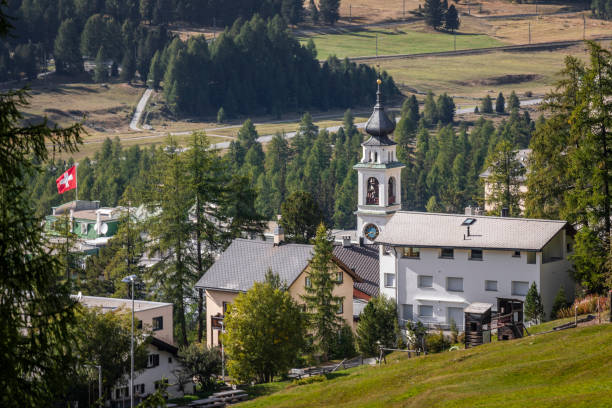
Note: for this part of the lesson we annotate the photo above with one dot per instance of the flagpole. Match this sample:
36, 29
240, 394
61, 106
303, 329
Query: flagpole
76, 189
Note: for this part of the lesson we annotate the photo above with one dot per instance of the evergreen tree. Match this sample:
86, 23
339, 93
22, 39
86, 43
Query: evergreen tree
313, 11
451, 19
321, 304
505, 179
377, 326
513, 102
155, 72
445, 108
487, 105
430, 110
500, 103
559, 303
292, 10
433, 13
128, 67
66, 50
36, 309
221, 115
330, 10
300, 216
534, 309
101, 70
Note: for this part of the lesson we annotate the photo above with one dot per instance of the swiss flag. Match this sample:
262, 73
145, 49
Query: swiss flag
67, 181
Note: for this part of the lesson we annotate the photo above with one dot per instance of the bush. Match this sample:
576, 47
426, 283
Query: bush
436, 342
588, 304
559, 303
310, 380
201, 363
344, 344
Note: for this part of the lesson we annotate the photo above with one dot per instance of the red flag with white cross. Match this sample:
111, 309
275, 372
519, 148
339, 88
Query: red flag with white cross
67, 181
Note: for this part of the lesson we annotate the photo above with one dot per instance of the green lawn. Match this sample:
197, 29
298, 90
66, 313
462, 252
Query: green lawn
398, 40
571, 368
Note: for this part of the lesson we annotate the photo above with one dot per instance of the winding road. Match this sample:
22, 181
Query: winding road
142, 104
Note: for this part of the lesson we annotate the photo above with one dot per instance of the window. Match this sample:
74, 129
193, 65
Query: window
225, 306
158, 323
531, 258
407, 312
520, 288
516, 254
139, 389
153, 360
139, 324
391, 193
308, 283
169, 360
339, 277
447, 253
84, 228
372, 191
425, 281
569, 248
491, 286
454, 284
389, 280
476, 254
340, 308
425, 311
411, 252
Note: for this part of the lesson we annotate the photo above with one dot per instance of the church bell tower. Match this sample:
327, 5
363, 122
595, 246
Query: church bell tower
379, 175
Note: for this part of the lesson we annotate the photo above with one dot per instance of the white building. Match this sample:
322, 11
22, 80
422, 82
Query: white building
435, 265
162, 364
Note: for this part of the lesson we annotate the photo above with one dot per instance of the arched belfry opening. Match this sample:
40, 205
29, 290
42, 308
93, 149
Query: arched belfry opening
372, 191
391, 190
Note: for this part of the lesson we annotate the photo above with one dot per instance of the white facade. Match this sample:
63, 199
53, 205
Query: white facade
162, 365
435, 288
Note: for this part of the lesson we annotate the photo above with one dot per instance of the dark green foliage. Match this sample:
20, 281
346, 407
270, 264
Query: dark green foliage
434, 13
300, 217
506, 177
486, 105
534, 309
445, 109
155, 72
101, 69
313, 11
201, 363
292, 10
377, 325
451, 19
330, 10
589, 261
513, 102
602, 8
67, 50
500, 103
221, 115
343, 345
559, 303
321, 304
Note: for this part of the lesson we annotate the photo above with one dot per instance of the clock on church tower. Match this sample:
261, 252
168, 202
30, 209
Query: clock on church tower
379, 175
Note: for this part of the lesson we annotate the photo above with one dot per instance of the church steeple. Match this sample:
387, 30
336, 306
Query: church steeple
379, 174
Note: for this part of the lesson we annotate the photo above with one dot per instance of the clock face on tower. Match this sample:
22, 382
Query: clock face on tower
371, 231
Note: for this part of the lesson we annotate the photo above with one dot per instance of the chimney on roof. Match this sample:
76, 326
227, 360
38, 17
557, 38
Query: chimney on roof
346, 241
469, 210
279, 235
505, 212
477, 211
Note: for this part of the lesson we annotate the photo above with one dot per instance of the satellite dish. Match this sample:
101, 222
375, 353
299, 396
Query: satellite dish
104, 228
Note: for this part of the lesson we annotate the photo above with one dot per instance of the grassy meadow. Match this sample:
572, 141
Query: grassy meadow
571, 368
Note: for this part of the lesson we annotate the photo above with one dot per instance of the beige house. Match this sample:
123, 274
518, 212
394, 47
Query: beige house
245, 262
489, 205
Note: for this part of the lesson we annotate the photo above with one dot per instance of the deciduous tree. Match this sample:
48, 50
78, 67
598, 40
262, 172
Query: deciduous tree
377, 326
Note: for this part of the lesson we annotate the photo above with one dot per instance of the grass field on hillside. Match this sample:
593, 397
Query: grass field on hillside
571, 368
405, 39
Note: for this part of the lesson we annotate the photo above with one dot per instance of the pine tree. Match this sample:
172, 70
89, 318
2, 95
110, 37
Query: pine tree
559, 303
500, 103
487, 105
221, 115
433, 13
300, 216
128, 66
155, 72
66, 50
505, 179
430, 110
377, 326
313, 11
321, 303
513, 102
101, 70
330, 10
534, 309
451, 19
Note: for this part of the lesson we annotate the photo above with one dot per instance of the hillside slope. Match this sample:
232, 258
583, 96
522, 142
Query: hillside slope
572, 368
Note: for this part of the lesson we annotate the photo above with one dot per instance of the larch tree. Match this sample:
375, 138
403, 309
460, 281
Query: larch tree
329, 10
534, 309
507, 174
66, 50
300, 217
486, 105
322, 305
500, 103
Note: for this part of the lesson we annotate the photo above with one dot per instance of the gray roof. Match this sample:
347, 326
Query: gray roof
363, 260
246, 261
379, 141
445, 230
478, 308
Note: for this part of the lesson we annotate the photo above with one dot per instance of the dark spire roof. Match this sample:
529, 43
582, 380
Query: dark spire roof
379, 126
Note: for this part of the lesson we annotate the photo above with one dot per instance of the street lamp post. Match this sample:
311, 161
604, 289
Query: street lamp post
131, 279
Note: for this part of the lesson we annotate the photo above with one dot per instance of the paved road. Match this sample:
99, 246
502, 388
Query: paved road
139, 110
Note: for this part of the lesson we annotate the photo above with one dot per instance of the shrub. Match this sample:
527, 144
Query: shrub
310, 380
559, 303
587, 304
344, 344
436, 342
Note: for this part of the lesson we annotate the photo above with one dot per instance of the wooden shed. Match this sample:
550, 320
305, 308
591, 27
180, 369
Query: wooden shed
510, 319
477, 324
